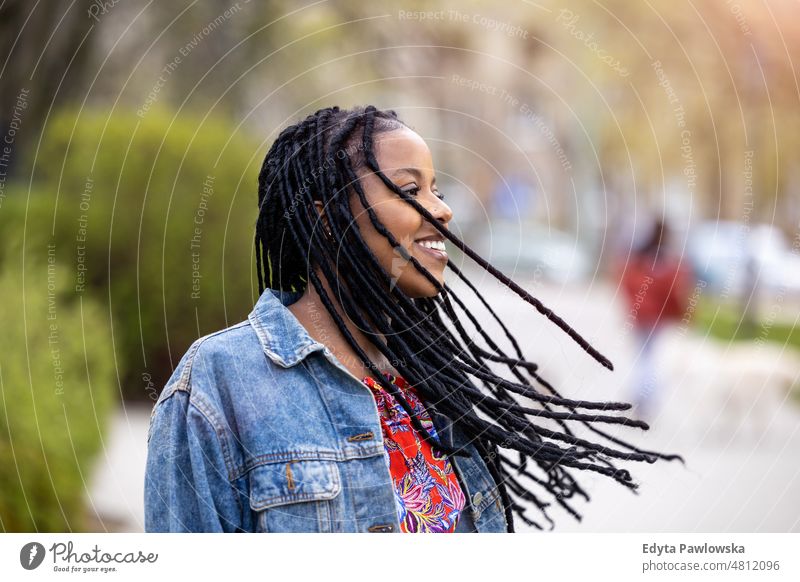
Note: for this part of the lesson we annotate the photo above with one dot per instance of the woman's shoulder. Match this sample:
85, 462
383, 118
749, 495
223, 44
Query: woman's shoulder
223, 374
202, 369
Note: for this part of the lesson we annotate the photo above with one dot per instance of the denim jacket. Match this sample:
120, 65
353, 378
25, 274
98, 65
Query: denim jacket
261, 429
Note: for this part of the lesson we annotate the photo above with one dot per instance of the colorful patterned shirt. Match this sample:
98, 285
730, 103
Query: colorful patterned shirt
428, 495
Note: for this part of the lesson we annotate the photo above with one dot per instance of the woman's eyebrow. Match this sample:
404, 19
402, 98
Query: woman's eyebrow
413, 171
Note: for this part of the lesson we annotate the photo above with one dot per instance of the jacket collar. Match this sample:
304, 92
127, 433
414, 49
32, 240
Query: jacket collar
286, 342
284, 339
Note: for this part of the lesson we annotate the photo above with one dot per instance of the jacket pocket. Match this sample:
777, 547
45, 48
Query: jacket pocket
296, 496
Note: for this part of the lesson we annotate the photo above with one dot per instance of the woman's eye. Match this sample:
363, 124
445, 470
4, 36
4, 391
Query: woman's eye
414, 190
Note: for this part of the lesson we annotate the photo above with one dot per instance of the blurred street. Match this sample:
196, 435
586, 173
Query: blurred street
728, 412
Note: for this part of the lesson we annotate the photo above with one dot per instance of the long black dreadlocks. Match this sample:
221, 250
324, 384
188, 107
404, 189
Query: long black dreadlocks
316, 160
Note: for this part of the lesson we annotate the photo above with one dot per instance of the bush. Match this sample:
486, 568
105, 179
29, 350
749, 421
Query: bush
156, 216
57, 388
725, 322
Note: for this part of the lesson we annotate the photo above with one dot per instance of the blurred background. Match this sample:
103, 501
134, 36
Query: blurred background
633, 165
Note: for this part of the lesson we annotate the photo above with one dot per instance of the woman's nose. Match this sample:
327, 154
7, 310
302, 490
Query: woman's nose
441, 211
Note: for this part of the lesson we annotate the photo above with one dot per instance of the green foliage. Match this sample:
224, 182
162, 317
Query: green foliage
156, 217
57, 387
725, 322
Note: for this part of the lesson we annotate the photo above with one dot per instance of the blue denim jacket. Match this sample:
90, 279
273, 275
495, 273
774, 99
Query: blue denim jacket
261, 428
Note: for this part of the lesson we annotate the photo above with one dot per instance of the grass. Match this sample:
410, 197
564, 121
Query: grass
724, 322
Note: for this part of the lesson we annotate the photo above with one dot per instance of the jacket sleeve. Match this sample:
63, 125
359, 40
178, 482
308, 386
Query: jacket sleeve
186, 478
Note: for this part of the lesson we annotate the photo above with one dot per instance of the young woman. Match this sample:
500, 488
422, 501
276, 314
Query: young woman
353, 398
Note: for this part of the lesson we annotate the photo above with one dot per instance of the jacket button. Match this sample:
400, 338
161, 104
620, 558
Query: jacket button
477, 498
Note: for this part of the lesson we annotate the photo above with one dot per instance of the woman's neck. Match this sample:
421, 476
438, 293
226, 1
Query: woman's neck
310, 311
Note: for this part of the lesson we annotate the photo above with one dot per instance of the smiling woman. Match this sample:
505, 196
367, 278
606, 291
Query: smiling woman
394, 150
345, 402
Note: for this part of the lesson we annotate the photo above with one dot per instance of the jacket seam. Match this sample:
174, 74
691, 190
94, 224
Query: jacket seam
209, 414
278, 500
222, 444
286, 456
182, 382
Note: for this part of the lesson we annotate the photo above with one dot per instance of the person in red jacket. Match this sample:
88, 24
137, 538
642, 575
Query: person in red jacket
656, 285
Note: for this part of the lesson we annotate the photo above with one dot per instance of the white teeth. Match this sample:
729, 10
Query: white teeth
437, 245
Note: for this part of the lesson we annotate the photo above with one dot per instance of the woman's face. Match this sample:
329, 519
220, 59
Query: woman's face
405, 159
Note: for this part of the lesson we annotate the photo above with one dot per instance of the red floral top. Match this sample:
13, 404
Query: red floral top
429, 498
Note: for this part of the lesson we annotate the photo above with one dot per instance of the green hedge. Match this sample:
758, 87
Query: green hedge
57, 385
156, 217
724, 321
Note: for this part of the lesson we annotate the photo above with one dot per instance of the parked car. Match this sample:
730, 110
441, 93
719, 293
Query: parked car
733, 257
535, 251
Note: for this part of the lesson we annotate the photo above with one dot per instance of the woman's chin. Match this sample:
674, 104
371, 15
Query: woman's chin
422, 290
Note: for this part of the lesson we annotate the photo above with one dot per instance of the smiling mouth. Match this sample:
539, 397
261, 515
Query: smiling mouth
435, 248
